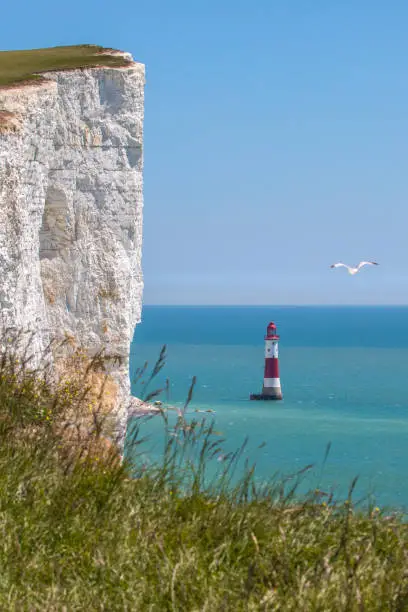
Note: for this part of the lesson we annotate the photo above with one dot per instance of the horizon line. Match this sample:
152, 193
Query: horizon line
405, 305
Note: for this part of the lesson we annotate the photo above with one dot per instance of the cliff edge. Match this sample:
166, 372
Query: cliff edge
71, 200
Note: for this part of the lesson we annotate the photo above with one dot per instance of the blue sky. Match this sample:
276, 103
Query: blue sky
276, 141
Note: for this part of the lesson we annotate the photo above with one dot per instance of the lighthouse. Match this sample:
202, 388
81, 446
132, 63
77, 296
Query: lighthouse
271, 389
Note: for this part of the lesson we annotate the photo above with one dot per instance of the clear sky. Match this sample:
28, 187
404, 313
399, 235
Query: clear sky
276, 141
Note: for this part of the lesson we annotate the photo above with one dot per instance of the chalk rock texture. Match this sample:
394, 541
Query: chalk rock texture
71, 200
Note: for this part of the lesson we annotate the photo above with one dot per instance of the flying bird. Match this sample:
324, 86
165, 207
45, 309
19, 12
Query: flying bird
352, 270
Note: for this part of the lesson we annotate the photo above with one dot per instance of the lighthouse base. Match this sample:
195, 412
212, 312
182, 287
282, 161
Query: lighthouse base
266, 396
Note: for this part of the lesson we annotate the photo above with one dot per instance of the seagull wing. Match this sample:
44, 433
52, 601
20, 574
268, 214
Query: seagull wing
366, 263
340, 265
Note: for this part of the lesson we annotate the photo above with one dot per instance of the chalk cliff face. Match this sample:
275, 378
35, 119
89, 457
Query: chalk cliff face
71, 210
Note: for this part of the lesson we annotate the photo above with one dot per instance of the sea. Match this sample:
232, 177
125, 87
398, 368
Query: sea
344, 377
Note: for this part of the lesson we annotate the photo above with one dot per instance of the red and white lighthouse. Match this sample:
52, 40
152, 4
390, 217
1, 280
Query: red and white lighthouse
271, 389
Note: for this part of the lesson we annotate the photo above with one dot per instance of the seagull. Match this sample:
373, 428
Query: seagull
352, 270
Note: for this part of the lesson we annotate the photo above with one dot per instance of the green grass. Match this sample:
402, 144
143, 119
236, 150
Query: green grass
78, 534
24, 66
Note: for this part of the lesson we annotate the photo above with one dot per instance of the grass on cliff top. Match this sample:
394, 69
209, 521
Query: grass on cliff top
79, 534
23, 66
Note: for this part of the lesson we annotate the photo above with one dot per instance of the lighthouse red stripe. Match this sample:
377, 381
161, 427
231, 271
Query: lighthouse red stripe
271, 368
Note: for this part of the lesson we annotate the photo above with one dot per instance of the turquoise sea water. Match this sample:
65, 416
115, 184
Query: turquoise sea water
344, 375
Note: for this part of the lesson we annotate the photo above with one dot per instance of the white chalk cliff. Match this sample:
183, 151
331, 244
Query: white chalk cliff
71, 199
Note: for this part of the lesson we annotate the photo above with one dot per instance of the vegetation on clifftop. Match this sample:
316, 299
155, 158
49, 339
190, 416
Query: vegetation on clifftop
79, 534
25, 66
